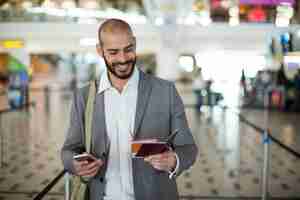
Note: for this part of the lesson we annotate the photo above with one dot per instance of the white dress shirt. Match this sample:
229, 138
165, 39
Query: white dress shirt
120, 111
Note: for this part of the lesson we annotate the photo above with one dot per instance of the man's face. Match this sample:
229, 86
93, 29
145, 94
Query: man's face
118, 52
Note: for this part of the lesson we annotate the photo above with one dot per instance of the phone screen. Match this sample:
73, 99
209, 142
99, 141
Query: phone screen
84, 157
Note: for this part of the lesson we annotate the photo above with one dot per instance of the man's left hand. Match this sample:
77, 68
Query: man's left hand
165, 161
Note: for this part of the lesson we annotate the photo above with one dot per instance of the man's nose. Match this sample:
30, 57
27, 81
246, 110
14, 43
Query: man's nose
122, 57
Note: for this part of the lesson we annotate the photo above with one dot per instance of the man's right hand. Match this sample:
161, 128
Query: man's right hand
86, 168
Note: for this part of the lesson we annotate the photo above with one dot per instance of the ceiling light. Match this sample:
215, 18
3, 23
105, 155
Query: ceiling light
49, 4
26, 5
234, 21
6, 6
68, 4
225, 4
89, 4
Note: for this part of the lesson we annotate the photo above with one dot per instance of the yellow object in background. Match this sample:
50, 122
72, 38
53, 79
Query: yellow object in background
12, 44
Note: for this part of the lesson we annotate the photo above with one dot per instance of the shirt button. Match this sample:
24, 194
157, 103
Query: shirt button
101, 179
104, 154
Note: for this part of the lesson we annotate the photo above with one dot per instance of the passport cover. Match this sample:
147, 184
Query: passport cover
146, 148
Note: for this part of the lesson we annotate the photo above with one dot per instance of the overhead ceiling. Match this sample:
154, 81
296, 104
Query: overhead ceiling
114, 3
217, 10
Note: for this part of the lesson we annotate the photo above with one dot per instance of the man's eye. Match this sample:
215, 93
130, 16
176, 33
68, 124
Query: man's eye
129, 49
113, 53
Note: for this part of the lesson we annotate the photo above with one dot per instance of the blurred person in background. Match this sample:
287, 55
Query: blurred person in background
297, 90
243, 83
281, 77
198, 86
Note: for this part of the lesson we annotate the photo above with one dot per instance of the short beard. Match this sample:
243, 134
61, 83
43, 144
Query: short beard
111, 68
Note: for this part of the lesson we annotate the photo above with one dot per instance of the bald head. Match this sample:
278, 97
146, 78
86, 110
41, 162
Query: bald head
113, 26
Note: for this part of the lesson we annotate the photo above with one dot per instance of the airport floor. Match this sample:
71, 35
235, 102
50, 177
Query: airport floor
229, 164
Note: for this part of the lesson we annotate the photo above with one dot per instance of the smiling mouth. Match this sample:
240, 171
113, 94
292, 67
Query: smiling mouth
122, 68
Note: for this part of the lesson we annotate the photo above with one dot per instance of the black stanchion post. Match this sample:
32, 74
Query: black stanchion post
47, 98
265, 185
49, 186
266, 146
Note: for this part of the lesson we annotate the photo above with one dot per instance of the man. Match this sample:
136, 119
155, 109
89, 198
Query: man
129, 105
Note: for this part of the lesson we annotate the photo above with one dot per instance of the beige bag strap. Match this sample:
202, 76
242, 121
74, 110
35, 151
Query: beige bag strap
89, 110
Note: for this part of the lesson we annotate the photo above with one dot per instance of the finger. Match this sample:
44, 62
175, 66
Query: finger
89, 171
91, 165
89, 175
80, 163
79, 166
159, 159
147, 159
100, 162
166, 164
159, 166
155, 157
86, 168
94, 173
167, 157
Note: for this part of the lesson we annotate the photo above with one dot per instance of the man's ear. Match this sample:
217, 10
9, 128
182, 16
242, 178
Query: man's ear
99, 50
134, 40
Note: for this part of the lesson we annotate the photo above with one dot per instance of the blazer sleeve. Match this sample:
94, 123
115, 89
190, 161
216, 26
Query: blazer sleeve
74, 142
184, 144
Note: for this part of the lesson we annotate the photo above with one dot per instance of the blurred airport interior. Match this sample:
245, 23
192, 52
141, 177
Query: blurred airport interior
236, 64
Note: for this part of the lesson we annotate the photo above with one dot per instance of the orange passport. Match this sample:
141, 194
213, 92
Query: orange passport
144, 148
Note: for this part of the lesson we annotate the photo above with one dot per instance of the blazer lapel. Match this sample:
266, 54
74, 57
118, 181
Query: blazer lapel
144, 91
99, 125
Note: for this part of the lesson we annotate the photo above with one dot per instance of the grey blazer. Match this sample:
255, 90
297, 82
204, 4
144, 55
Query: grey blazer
159, 112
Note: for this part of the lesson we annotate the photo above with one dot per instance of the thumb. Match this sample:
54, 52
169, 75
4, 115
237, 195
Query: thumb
148, 158
100, 162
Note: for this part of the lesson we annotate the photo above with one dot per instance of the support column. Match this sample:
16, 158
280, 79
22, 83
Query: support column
166, 15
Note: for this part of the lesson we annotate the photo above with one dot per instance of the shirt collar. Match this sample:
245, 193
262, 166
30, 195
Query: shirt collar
105, 83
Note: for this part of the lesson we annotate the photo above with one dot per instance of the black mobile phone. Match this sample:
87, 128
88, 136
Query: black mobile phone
84, 157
